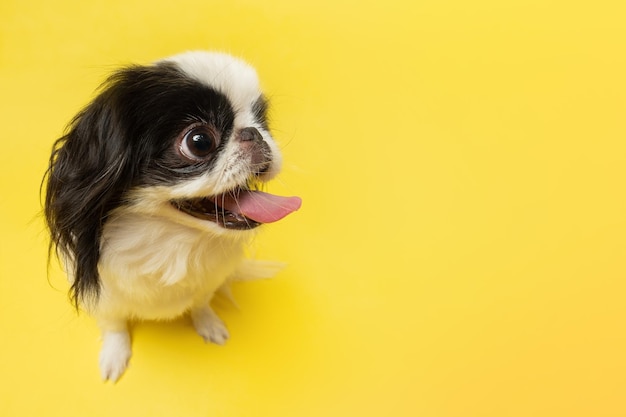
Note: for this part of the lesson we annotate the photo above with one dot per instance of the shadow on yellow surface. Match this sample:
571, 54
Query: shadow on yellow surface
460, 251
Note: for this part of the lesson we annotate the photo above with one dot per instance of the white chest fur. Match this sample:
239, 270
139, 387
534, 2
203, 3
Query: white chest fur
151, 268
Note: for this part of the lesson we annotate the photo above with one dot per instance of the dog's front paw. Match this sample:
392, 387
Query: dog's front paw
114, 355
209, 325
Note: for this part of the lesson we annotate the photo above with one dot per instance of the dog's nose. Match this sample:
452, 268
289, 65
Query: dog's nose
252, 143
249, 134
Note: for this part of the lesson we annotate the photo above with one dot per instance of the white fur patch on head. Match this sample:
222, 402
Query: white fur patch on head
229, 75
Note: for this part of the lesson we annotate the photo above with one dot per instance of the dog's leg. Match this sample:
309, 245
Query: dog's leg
116, 351
209, 325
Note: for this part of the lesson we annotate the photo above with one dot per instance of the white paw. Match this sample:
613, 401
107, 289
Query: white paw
114, 355
209, 326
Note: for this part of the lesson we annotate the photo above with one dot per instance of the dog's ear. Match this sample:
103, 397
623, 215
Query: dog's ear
89, 170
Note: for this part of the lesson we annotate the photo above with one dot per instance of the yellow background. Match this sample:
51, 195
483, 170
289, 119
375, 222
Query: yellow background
461, 247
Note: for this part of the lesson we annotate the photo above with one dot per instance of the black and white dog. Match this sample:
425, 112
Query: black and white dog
153, 194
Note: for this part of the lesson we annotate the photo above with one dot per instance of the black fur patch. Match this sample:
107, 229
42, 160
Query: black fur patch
122, 140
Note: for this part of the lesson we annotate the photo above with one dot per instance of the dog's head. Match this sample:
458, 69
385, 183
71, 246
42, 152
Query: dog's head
185, 138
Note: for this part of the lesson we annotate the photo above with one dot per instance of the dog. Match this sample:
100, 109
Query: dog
153, 193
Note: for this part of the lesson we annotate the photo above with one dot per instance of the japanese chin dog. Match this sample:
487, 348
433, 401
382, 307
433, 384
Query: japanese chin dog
154, 191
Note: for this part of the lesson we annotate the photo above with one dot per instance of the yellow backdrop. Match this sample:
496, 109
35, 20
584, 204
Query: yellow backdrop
461, 247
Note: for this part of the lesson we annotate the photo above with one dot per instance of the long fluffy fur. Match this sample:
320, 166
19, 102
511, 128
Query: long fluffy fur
111, 180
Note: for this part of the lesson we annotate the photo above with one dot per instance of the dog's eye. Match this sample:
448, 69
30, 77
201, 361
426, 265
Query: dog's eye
198, 143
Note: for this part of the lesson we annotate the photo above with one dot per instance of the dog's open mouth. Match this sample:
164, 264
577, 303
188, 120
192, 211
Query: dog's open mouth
239, 209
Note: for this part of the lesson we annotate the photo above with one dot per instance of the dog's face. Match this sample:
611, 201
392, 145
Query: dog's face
185, 139
204, 121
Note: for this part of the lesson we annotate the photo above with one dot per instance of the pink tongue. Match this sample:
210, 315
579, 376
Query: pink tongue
259, 206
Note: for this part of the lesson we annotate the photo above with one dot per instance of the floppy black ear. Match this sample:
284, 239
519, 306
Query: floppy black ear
89, 170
